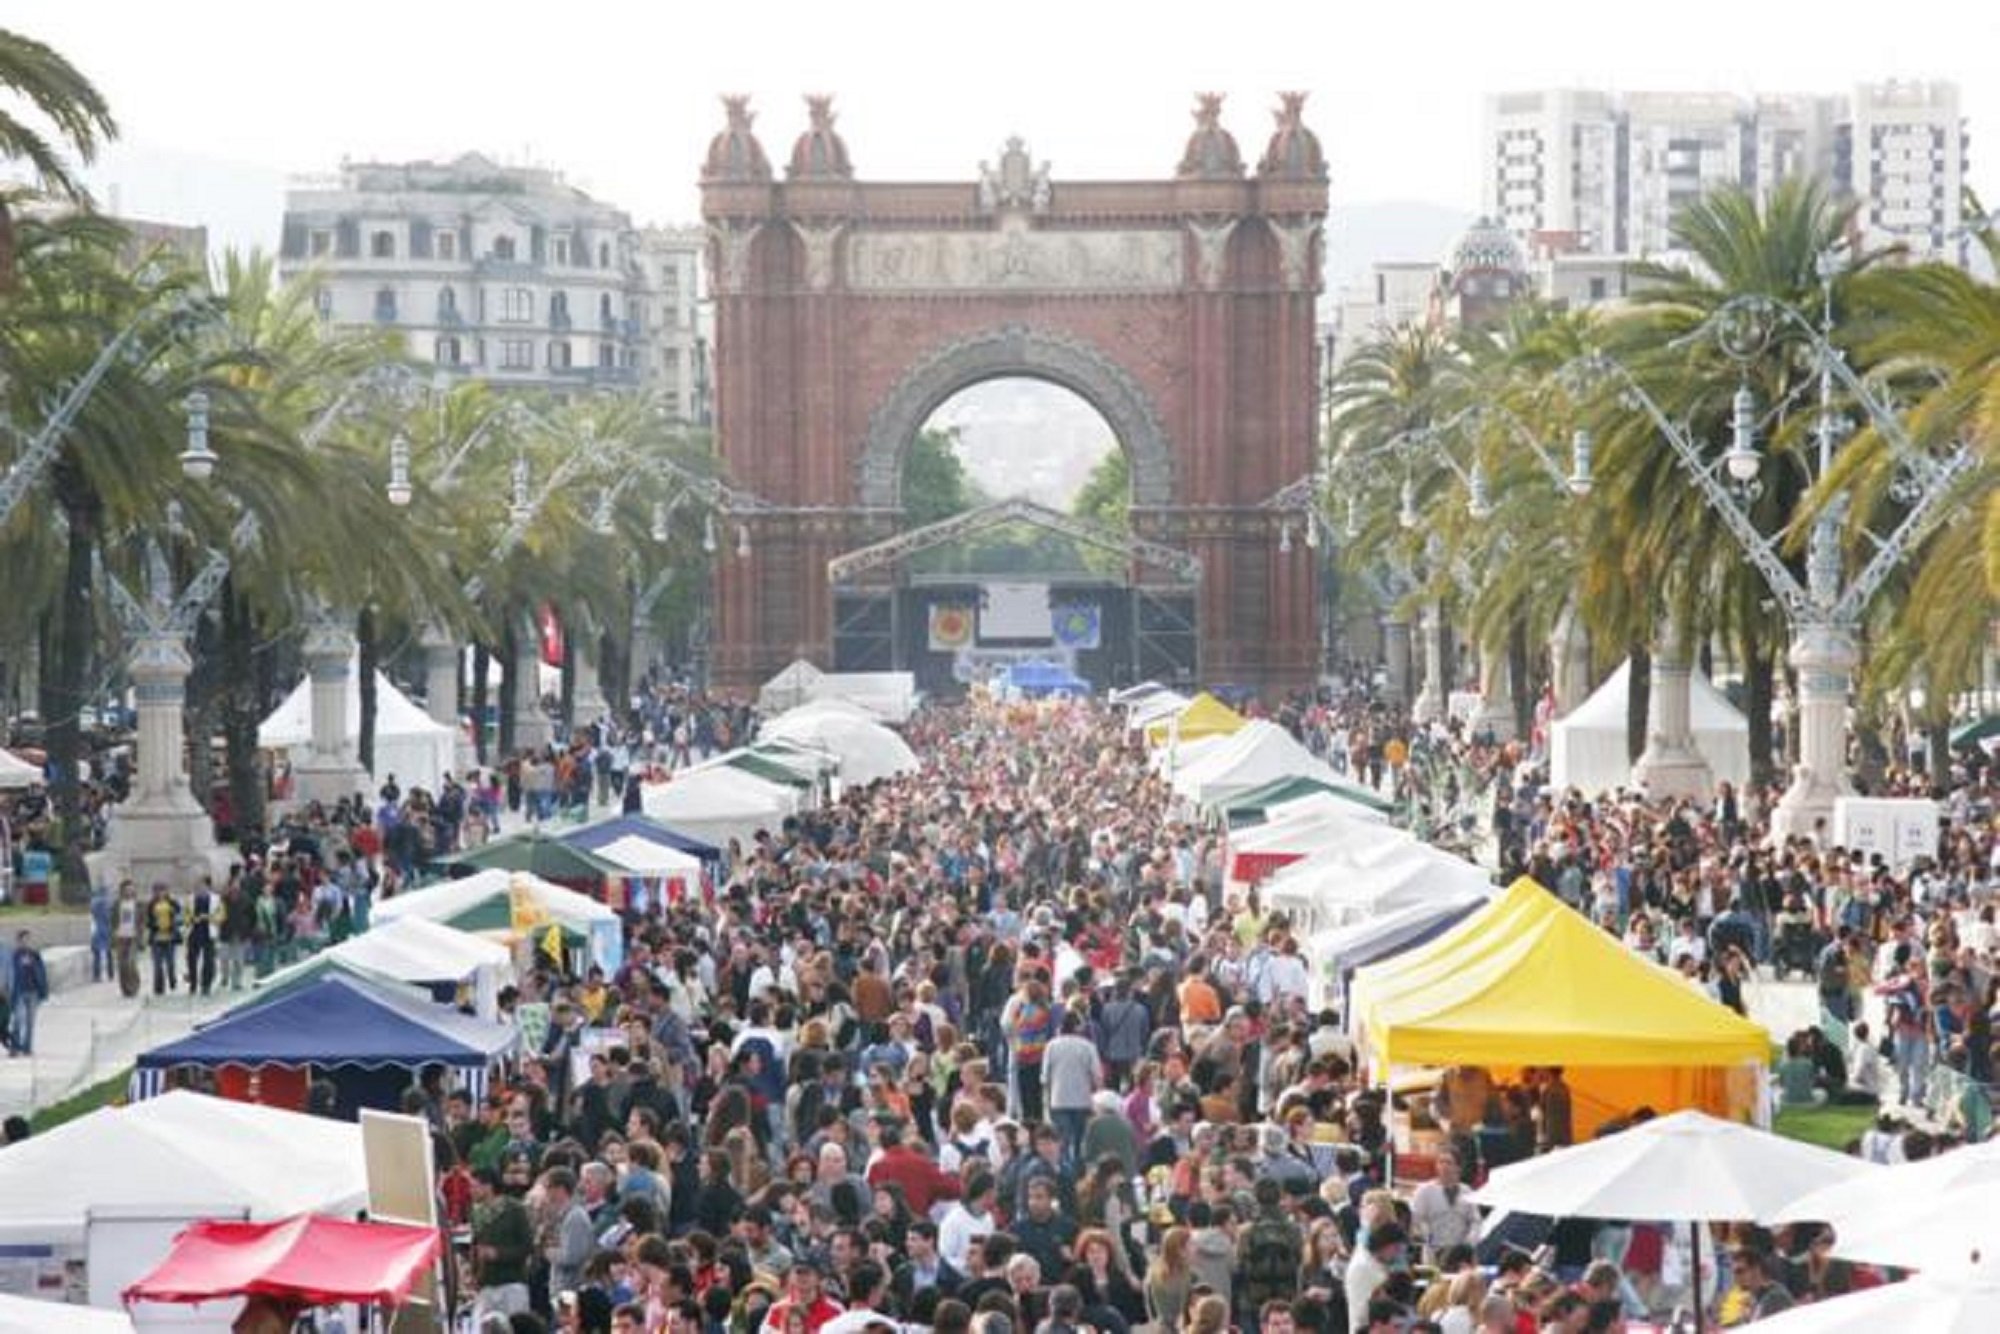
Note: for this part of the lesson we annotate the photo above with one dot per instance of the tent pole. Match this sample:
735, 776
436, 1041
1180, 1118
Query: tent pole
1694, 1266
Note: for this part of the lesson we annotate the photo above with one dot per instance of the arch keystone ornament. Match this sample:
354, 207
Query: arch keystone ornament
1180, 307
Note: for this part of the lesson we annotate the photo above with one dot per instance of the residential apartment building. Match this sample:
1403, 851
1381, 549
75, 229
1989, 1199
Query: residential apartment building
505, 273
1612, 171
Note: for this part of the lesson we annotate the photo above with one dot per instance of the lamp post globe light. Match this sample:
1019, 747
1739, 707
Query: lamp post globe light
197, 460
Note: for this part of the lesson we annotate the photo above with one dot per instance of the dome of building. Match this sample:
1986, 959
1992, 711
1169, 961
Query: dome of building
819, 153
735, 154
1487, 247
1211, 150
1293, 153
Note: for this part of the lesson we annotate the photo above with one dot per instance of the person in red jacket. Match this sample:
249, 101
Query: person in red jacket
922, 1181
803, 1297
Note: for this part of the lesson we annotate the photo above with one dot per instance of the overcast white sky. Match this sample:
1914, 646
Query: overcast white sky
219, 98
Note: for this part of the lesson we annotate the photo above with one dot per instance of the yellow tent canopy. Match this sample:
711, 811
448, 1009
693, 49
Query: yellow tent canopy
1527, 981
1205, 715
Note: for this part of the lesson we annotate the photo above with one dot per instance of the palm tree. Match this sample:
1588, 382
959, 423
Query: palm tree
77, 117
1737, 245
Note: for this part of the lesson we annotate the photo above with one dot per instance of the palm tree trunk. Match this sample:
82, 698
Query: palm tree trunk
482, 662
1760, 675
69, 689
369, 651
1639, 689
241, 712
615, 671
1520, 667
198, 713
1937, 745
510, 687
567, 704
6, 247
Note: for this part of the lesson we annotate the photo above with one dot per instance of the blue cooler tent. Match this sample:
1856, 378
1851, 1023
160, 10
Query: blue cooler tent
369, 1041
1045, 678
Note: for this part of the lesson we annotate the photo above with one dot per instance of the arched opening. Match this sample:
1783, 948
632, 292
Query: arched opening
1016, 436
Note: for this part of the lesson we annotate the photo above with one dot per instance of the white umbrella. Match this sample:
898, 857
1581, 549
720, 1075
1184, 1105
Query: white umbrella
1960, 1299
1688, 1167
1914, 1214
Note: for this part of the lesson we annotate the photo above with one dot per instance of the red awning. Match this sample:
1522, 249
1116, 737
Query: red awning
310, 1259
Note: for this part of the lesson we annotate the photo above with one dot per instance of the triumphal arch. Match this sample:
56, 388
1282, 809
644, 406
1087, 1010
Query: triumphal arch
1182, 308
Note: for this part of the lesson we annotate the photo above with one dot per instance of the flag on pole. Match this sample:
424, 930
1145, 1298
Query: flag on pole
552, 944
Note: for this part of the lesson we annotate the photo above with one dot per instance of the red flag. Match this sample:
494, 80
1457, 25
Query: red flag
552, 635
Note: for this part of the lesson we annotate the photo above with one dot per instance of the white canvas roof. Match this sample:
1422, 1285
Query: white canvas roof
1153, 707
409, 947
16, 773
1587, 746
24, 1315
717, 805
789, 688
449, 898
1259, 752
177, 1151
408, 743
644, 857
868, 751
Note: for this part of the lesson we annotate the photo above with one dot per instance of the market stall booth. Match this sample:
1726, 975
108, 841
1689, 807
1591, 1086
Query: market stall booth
1588, 746
719, 806
409, 743
95, 1202
368, 1041
446, 963
515, 907
1527, 982
286, 1266
1204, 716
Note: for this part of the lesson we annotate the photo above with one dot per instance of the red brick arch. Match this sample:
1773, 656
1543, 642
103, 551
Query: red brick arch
1181, 309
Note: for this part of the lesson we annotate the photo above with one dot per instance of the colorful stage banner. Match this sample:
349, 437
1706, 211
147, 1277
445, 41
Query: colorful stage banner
950, 627
1076, 625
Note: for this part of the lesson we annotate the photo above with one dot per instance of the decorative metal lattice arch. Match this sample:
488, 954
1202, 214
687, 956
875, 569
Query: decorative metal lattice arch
958, 527
1016, 350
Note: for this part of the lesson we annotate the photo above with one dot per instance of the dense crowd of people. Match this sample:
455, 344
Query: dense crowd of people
997, 1047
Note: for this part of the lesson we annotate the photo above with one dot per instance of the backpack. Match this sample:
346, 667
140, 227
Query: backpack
1832, 970
1270, 1264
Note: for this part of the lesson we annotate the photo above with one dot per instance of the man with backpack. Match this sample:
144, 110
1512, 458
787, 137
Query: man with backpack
1269, 1254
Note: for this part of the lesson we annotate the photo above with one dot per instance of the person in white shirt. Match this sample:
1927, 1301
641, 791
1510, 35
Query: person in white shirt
968, 1221
1442, 1214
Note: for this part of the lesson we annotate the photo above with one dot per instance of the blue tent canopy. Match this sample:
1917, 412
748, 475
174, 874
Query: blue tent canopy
1045, 678
590, 837
339, 1020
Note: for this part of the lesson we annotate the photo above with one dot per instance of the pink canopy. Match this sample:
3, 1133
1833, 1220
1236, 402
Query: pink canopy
310, 1260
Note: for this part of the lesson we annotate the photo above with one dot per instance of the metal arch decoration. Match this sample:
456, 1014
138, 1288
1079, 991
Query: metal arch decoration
1024, 351
844, 568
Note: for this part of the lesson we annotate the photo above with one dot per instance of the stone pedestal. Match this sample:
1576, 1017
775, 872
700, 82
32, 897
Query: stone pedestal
587, 702
161, 833
330, 771
1824, 657
442, 658
1496, 698
1670, 766
1396, 660
1569, 663
1435, 698
532, 729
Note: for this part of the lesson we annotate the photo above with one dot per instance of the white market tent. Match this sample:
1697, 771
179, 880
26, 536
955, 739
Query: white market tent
1414, 875
1173, 757
1328, 952
415, 949
789, 688
718, 805
1259, 752
1312, 825
1587, 747
451, 900
1130, 696
24, 1315
868, 751
173, 1152
646, 858
408, 744
1153, 707
17, 774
